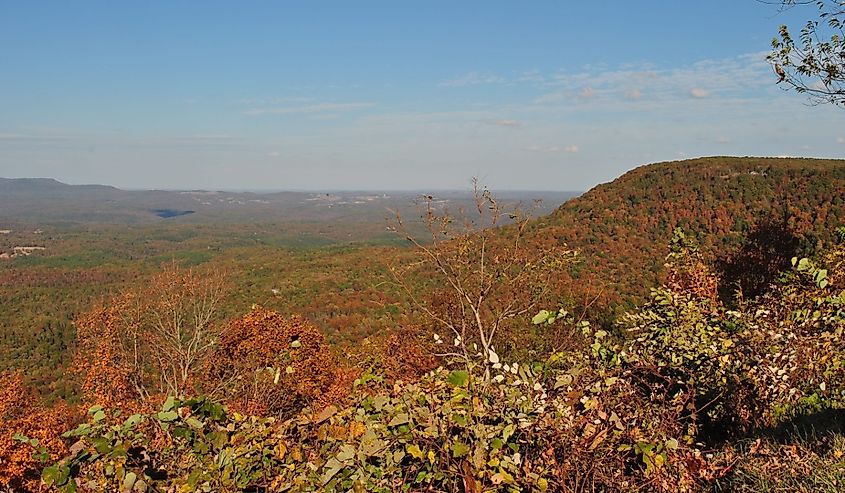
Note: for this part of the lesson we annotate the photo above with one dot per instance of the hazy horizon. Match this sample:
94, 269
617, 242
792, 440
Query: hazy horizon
465, 189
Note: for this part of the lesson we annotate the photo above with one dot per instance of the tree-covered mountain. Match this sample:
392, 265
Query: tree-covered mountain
728, 203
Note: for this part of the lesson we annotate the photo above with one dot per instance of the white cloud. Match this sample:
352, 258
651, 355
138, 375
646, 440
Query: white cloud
633, 94
587, 92
504, 123
840, 140
472, 79
274, 154
733, 77
308, 109
571, 149
699, 93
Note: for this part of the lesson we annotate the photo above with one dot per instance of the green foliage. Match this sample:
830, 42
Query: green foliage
764, 362
813, 64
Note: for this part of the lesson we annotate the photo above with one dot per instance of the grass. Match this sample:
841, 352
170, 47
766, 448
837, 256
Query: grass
803, 464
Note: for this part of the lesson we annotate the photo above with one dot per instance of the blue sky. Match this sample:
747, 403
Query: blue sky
391, 95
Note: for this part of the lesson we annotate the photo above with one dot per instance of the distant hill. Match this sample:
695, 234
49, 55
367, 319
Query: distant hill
44, 200
35, 186
728, 203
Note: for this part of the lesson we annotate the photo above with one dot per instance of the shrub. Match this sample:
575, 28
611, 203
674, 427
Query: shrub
269, 365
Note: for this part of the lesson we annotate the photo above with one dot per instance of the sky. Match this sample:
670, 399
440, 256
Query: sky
392, 95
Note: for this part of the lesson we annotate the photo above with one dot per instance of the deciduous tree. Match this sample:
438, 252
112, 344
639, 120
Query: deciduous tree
814, 63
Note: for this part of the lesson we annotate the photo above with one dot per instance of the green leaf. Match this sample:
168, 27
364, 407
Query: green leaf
458, 378
194, 422
101, 444
167, 416
55, 475
459, 449
132, 421
20, 438
169, 404
129, 481
803, 264
296, 344
541, 317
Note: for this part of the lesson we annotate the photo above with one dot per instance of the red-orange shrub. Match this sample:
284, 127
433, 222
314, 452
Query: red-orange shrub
21, 414
268, 364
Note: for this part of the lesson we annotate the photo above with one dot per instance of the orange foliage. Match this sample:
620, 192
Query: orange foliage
100, 360
21, 413
269, 364
407, 354
694, 277
149, 342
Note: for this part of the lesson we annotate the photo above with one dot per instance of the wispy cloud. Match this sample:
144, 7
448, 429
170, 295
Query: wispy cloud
504, 123
274, 100
308, 109
728, 77
571, 149
473, 79
699, 93
23, 137
207, 138
633, 94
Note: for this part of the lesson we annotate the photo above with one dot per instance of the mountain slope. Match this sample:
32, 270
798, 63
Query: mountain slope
728, 203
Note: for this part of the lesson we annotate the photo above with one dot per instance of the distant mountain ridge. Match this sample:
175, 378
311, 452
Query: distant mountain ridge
48, 200
36, 185
623, 227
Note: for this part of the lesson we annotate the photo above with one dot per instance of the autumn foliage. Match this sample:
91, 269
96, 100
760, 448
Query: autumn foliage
103, 366
150, 341
23, 421
268, 364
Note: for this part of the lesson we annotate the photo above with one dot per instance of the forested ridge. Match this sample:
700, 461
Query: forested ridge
704, 352
621, 227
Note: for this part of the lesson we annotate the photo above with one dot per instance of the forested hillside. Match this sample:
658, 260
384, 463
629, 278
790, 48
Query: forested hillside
783, 204
474, 360
690, 395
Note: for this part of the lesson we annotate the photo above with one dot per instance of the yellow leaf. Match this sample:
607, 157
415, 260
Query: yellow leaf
356, 429
414, 450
